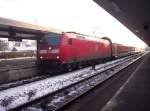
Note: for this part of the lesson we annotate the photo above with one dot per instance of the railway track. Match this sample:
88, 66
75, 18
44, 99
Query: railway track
55, 92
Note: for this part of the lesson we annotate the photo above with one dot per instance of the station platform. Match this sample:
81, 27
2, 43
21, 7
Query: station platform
134, 95
17, 69
17, 61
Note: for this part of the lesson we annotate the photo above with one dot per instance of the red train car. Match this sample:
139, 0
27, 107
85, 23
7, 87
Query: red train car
119, 50
70, 47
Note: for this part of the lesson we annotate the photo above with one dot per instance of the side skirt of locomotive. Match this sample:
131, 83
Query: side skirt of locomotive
57, 66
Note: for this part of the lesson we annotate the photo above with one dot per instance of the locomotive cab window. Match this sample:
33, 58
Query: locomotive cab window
51, 39
70, 41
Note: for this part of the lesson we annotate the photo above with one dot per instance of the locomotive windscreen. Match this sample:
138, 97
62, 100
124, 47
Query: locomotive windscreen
51, 39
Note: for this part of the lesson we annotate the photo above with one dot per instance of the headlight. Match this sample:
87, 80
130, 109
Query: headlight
57, 57
41, 57
50, 48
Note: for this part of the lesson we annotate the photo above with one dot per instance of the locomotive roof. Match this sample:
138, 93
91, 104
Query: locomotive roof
88, 37
82, 34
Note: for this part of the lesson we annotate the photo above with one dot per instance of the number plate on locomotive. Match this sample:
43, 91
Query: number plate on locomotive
43, 51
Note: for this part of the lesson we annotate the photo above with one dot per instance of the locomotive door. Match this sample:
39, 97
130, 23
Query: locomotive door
72, 50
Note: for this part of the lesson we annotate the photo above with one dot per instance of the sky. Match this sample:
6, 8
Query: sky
83, 16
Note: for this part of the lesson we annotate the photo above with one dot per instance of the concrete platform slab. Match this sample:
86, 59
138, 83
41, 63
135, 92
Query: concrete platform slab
134, 95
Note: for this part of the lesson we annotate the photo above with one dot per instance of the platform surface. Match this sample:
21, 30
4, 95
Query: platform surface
134, 95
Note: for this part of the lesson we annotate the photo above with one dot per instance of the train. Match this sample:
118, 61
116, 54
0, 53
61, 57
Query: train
74, 49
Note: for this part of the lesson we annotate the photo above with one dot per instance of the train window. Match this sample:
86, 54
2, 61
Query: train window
54, 39
70, 41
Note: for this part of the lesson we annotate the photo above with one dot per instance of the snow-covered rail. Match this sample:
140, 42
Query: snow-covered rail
72, 82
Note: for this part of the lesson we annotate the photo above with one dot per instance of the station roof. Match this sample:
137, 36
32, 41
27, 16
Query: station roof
134, 14
15, 29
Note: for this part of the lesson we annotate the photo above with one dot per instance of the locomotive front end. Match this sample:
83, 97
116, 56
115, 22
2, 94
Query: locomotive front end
49, 49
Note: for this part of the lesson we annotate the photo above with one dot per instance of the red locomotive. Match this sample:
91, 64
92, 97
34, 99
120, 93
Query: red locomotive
71, 48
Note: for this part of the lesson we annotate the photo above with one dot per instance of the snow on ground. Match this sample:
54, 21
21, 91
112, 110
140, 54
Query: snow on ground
16, 96
59, 99
2, 108
32, 109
